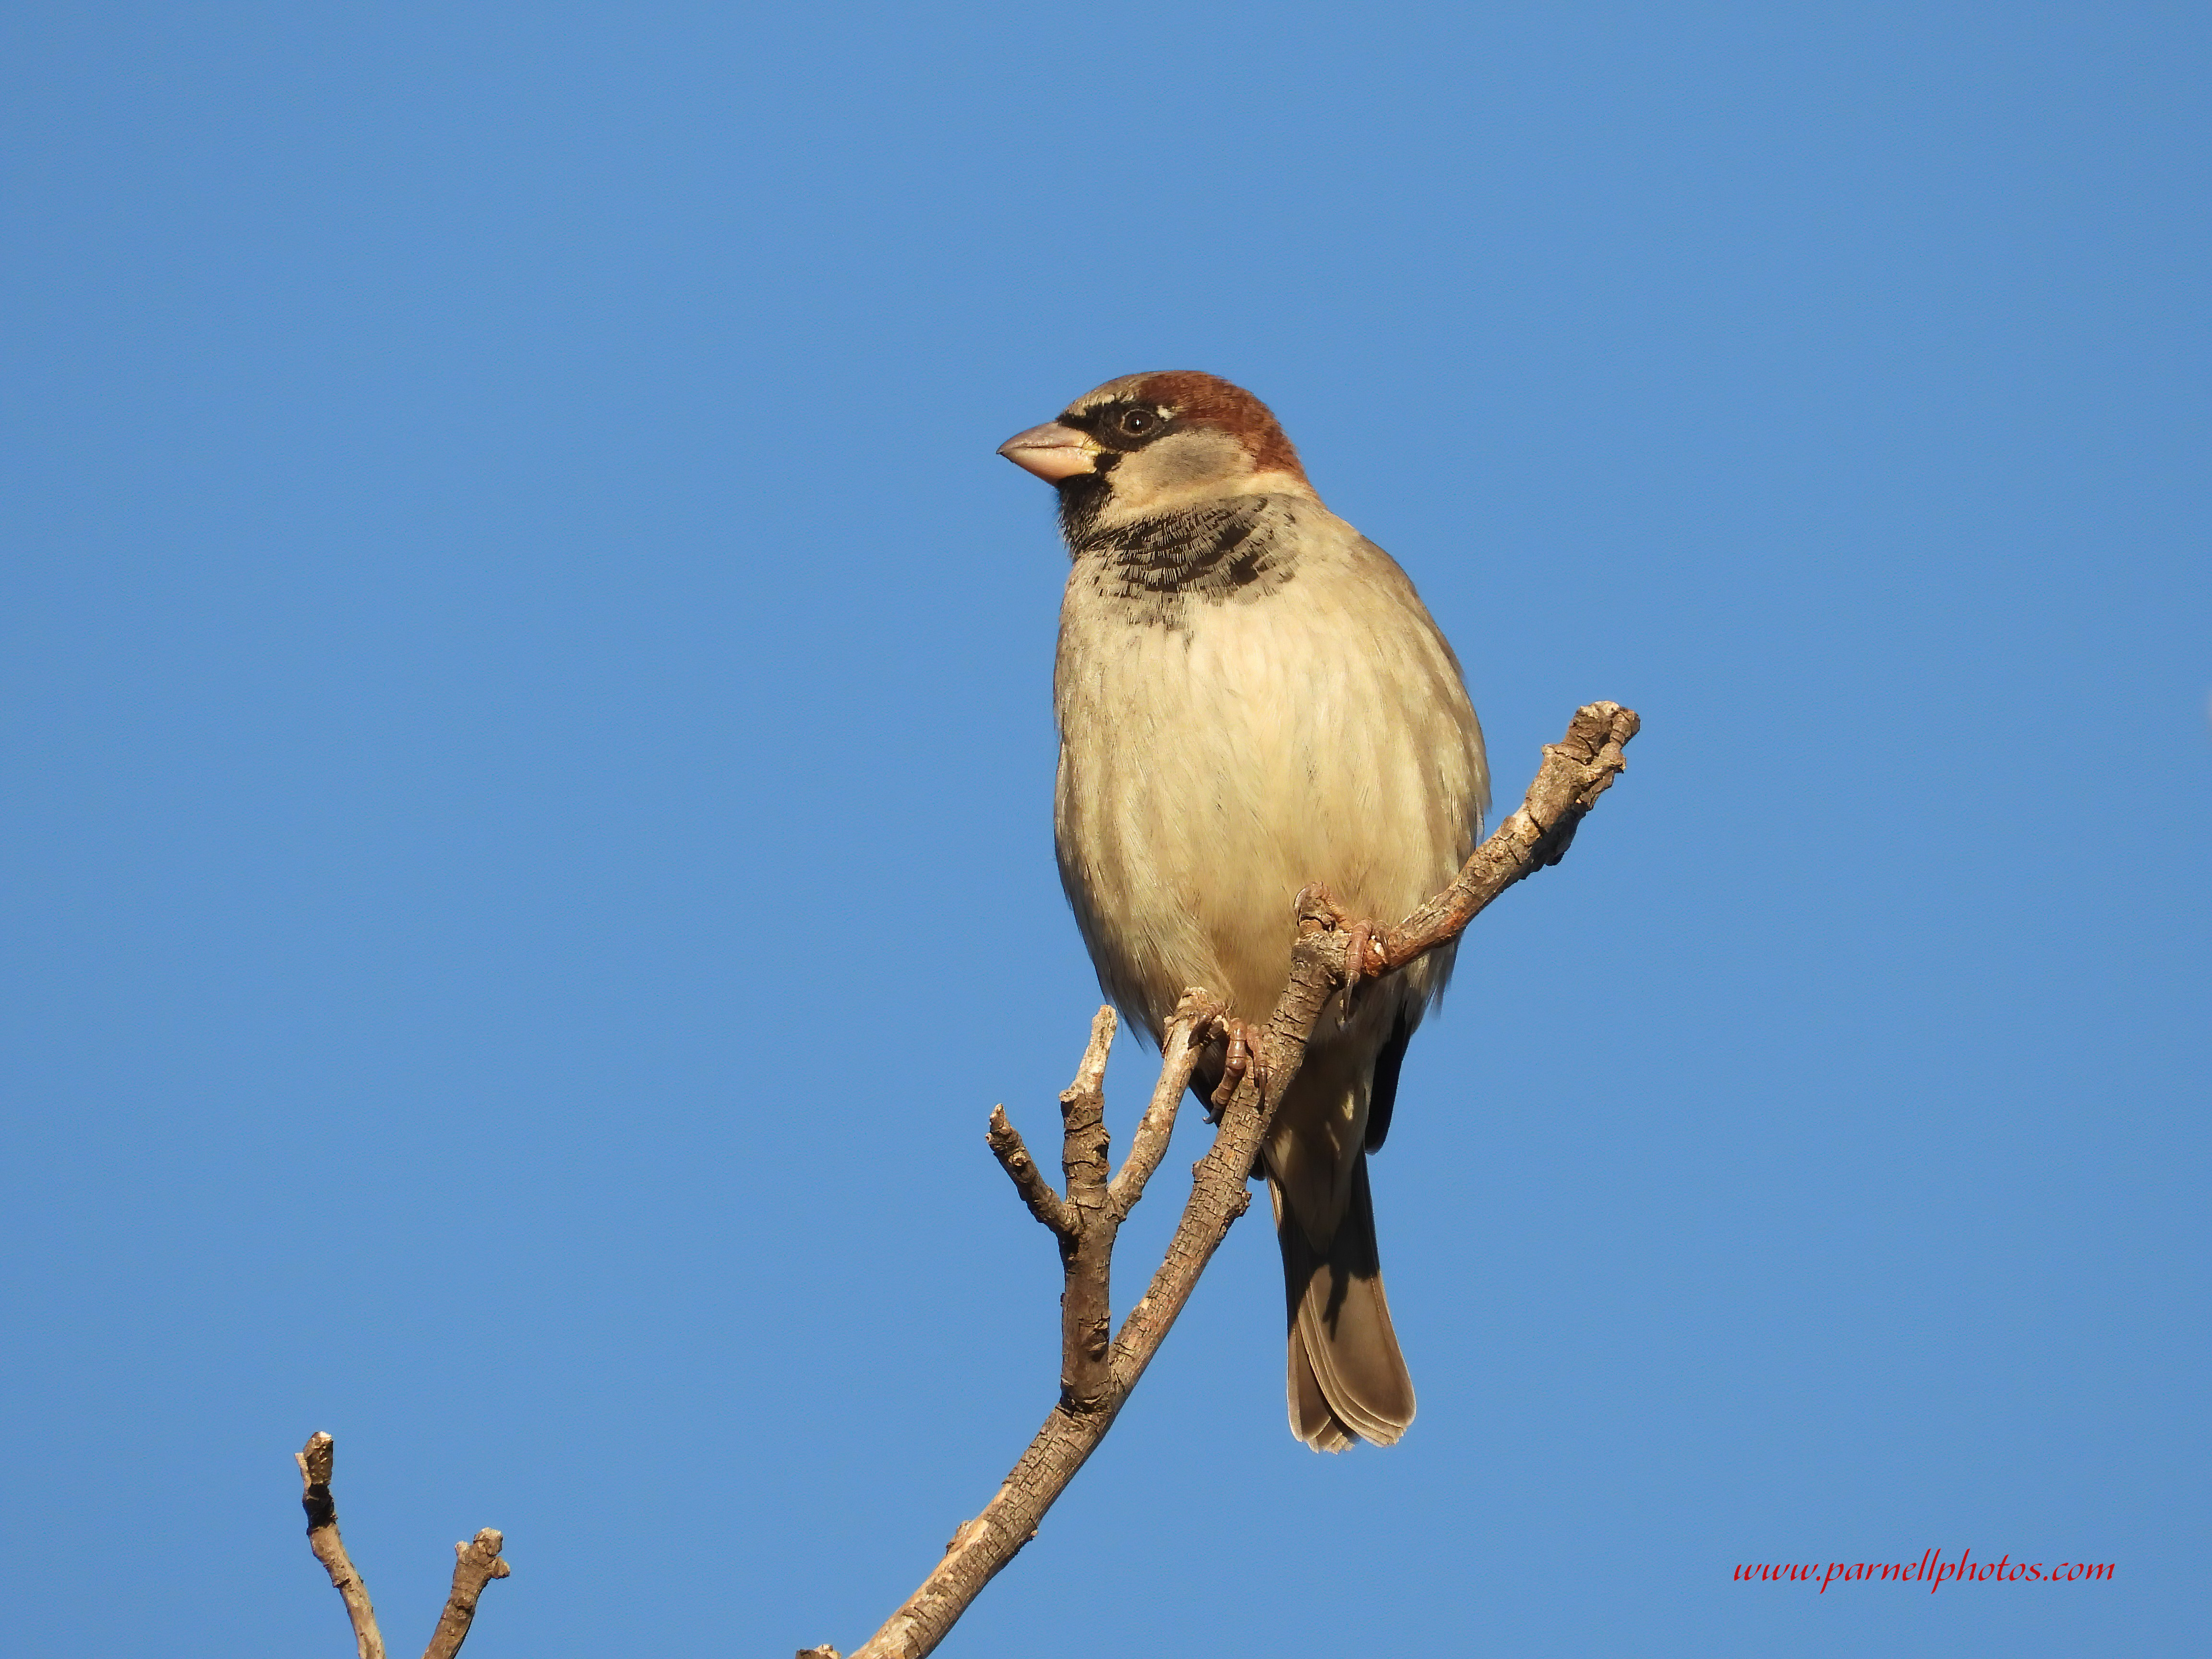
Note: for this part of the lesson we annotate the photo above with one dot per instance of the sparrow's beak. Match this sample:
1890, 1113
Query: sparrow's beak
1052, 451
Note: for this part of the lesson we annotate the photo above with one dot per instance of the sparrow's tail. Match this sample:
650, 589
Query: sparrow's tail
1348, 1379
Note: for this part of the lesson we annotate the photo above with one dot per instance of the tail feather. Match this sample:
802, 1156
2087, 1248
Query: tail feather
1348, 1379
1312, 1419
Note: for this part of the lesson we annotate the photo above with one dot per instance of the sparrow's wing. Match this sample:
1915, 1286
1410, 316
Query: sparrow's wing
1384, 1094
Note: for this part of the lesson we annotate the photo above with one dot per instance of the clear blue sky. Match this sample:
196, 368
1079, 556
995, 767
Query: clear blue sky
528, 849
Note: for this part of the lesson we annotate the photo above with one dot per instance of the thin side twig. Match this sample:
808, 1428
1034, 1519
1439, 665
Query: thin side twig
1178, 1058
1575, 773
1006, 1146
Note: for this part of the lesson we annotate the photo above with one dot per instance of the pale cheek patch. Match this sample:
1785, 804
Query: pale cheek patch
1179, 471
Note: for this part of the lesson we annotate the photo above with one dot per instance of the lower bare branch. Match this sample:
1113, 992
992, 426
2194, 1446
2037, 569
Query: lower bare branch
475, 1564
1575, 773
315, 1460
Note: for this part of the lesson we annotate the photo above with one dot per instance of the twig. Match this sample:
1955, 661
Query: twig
1178, 1058
315, 1460
1005, 1143
476, 1563
1574, 774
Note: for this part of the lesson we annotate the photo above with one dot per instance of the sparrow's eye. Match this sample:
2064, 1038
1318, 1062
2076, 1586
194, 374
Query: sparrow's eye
1125, 427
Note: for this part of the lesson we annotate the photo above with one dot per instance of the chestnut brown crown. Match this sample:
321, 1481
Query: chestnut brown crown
1188, 398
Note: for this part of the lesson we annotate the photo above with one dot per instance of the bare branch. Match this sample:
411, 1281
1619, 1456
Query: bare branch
315, 1461
1576, 770
475, 1564
1575, 773
1006, 1146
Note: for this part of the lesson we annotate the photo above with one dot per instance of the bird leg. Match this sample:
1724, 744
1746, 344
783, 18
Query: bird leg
1243, 1058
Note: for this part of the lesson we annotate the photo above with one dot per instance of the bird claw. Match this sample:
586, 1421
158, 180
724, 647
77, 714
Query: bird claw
1244, 1059
1359, 949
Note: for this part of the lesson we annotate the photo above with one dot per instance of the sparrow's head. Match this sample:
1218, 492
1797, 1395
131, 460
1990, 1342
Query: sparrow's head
1147, 445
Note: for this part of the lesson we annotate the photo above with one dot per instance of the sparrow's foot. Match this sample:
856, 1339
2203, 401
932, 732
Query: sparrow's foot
1363, 956
1244, 1059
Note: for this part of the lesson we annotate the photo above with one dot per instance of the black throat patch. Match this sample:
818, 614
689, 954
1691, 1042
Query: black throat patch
1231, 551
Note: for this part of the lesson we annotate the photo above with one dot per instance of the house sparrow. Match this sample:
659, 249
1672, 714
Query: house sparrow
1252, 698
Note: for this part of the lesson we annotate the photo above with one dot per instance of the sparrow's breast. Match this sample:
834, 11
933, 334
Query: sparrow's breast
1225, 742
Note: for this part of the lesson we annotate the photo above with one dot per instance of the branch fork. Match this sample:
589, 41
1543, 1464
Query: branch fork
1335, 950
1085, 1223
